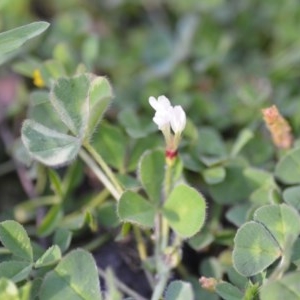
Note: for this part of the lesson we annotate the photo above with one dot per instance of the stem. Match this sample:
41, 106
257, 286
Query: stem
162, 239
140, 244
98, 172
160, 287
122, 287
142, 252
164, 224
97, 243
98, 158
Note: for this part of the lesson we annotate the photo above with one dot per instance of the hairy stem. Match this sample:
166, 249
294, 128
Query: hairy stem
98, 158
98, 172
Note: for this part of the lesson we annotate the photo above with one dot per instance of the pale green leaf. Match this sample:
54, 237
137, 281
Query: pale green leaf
282, 221
185, 210
110, 142
286, 288
15, 270
288, 168
8, 290
151, 173
254, 249
48, 146
15, 38
179, 290
62, 238
50, 257
100, 95
133, 208
14, 237
228, 291
75, 277
69, 97
292, 196
214, 175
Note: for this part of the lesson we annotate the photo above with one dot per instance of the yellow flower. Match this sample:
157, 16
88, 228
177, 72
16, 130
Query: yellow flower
38, 79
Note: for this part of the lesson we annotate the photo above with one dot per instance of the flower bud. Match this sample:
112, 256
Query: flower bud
279, 128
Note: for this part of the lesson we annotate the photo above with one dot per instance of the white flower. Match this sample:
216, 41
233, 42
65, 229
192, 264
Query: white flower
162, 103
163, 110
178, 119
167, 117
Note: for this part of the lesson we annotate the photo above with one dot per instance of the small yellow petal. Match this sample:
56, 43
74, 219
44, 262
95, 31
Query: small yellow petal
38, 79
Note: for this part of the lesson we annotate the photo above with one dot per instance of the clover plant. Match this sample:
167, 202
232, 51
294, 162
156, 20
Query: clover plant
211, 177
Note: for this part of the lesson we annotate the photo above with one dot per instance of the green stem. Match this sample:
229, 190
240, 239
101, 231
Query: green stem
161, 285
121, 286
162, 239
98, 158
97, 243
98, 172
164, 224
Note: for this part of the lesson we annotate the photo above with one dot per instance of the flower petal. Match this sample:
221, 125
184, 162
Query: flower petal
178, 119
162, 103
153, 102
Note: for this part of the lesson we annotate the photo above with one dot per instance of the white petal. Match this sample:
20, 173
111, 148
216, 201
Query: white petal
164, 102
153, 102
162, 118
178, 119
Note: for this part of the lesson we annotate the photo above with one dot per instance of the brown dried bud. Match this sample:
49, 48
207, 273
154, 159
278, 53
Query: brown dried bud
279, 128
208, 283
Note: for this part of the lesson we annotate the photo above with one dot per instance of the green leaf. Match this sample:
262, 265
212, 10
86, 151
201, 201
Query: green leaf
48, 146
210, 145
50, 257
214, 175
292, 196
15, 270
14, 237
138, 148
236, 278
151, 173
254, 249
234, 188
69, 97
243, 138
107, 215
15, 38
110, 142
100, 95
134, 125
286, 288
8, 290
185, 210
42, 111
62, 238
75, 277
133, 208
201, 239
238, 214
51, 220
228, 291
178, 290
288, 168
81, 101
56, 183
282, 221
